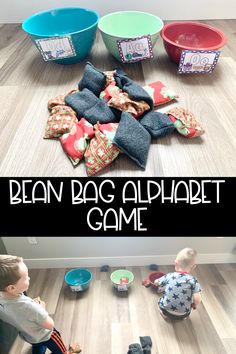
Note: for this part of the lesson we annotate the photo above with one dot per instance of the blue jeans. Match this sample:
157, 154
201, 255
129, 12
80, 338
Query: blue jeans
55, 344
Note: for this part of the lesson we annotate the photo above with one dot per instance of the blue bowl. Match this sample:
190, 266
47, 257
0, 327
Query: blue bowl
65, 35
78, 279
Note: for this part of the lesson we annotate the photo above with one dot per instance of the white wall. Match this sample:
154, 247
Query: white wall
18, 10
95, 251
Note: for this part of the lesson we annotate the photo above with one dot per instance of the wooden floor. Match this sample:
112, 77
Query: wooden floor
27, 83
105, 322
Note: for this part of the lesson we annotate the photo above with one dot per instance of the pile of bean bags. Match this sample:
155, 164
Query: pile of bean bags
110, 114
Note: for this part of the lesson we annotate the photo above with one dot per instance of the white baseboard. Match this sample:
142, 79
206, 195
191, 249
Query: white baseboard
124, 261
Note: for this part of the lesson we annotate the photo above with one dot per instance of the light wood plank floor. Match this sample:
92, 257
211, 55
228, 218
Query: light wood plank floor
105, 322
27, 83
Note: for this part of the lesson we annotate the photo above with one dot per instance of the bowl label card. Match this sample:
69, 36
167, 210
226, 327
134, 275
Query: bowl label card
135, 49
76, 288
122, 287
55, 48
198, 61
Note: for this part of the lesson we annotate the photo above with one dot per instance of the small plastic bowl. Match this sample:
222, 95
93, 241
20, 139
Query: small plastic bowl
153, 276
78, 279
117, 275
178, 36
78, 23
125, 25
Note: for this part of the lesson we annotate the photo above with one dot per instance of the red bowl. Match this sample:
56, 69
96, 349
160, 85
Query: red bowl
153, 276
178, 36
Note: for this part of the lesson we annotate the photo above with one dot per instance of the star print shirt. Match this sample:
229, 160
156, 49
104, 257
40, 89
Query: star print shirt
179, 289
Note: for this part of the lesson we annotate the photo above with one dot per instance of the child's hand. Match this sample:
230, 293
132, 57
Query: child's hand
160, 290
156, 282
37, 299
40, 302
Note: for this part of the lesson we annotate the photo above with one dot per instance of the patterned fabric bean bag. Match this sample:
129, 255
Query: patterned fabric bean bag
185, 122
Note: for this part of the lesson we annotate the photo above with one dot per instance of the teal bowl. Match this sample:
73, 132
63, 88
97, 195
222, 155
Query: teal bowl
126, 25
65, 35
78, 279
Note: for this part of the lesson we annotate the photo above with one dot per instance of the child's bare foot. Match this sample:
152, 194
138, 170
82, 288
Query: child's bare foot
74, 348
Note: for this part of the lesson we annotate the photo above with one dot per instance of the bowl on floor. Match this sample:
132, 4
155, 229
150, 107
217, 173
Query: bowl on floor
149, 281
179, 36
78, 279
122, 277
126, 25
65, 35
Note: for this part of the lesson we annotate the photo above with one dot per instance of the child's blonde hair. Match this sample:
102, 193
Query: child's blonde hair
9, 270
186, 258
